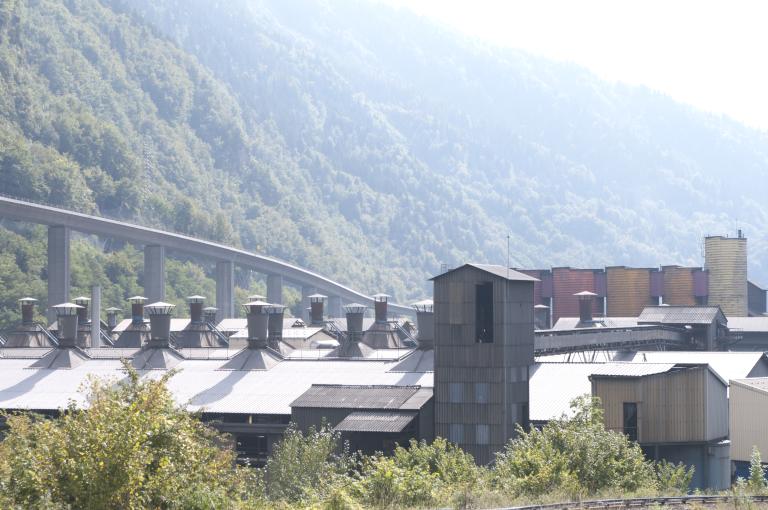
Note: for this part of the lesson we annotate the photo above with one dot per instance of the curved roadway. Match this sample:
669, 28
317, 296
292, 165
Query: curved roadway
36, 213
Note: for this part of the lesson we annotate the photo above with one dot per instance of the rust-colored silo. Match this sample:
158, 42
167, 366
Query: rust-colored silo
678, 286
566, 282
629, 290
726, 260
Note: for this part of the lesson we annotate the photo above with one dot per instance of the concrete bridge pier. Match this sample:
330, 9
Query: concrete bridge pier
334, 306
225, 289
275, 289
58, 268
154, 273
306, 291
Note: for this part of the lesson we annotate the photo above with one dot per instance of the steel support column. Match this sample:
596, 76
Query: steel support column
154, 273
225, 289
58, 268
275, 289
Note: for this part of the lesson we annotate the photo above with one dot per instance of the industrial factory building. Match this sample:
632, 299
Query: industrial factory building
471, 368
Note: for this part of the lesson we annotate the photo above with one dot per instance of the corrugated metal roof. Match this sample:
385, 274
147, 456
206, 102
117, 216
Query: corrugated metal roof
757, 383
200, 384
554, 385
501, 271
355, 397
417, 361
177, 324
567, 323
727, 365
680, 314
749, 324
375, 421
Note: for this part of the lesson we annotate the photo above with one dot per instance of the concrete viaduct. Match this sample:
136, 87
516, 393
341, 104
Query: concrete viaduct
61, 222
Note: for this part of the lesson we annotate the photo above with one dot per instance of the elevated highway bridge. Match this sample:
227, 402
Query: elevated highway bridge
155, 242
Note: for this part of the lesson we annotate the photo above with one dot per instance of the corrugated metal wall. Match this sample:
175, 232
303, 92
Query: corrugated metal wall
629, 291
726, 260
681, 406
566, 282
465, 369
678, 286
748, 418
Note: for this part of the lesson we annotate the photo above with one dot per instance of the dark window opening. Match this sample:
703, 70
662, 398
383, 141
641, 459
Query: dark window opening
630, 420
484, 312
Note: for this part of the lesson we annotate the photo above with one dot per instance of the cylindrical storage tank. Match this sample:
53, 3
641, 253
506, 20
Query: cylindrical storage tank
678, 286
629, 291
27, 310
726, 260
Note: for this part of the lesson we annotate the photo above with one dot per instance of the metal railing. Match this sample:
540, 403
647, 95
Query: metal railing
669, 501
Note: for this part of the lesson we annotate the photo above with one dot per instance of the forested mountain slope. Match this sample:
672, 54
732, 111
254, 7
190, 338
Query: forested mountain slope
360, 141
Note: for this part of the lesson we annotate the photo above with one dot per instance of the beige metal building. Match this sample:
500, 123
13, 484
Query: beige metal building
680, 415
726, 260
748, 421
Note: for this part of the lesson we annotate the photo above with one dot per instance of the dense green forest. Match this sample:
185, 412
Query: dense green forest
354, 139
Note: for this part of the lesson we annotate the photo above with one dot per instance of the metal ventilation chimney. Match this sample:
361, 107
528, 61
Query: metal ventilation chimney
196, 308
541, 316
425, 322
275, 324
355, 313
67, 315
137, 309
585, 306
112, 317
82, 312
258, 323
316, 302
27, 310
209, 314
380, 307
159, 324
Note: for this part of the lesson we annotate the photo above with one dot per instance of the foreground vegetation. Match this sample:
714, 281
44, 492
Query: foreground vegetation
134, 447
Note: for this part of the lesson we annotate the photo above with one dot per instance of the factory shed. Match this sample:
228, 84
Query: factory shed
679, 415
371, 417
748, 417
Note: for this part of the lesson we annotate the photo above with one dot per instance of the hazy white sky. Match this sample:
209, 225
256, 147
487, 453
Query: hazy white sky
713, 55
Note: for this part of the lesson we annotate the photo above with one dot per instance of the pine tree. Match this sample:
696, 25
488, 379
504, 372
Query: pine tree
757, 483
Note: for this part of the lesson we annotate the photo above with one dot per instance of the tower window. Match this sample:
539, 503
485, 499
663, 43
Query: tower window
484, 312
630, 420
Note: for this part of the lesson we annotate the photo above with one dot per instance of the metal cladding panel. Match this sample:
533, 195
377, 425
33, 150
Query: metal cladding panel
701, 283
567, 282
538, 287
679, 285
629, 291
756, 299
748, 414
726, 260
